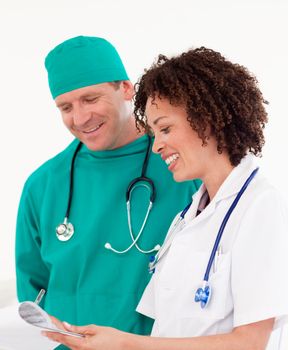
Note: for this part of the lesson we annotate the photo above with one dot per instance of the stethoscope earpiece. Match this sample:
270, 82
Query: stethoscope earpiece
107, 246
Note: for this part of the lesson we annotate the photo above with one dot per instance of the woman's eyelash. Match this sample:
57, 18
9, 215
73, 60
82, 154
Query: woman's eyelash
165, 130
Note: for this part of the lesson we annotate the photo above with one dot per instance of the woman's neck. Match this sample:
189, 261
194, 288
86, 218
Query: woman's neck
214, 178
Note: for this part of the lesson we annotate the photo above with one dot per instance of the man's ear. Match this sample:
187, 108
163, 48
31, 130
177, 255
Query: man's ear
128, 89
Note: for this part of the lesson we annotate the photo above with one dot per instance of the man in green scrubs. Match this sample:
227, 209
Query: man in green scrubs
84, 281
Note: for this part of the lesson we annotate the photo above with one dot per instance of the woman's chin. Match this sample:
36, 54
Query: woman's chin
180, 177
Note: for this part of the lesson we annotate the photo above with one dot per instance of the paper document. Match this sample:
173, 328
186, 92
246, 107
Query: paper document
34, 315
16, 334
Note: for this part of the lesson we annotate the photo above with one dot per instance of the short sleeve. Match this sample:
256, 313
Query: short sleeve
146, 305
259, 278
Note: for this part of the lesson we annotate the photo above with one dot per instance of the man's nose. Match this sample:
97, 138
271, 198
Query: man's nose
81, 116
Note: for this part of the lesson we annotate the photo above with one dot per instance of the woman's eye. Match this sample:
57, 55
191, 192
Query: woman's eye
165, 130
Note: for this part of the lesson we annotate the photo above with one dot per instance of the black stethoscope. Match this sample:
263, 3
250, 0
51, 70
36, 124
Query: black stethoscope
65, 230
203, 294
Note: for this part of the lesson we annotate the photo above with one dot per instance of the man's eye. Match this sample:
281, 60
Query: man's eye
91, 100
65, 109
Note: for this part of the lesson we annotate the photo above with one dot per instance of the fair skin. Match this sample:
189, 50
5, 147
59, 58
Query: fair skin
100, 116
182, 150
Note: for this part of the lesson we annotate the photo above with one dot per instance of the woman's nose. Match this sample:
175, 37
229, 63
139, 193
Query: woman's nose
157, 145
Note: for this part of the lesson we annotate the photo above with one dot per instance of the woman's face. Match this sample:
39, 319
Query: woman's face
177, 143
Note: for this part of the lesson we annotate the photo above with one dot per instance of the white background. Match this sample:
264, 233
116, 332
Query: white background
250, 32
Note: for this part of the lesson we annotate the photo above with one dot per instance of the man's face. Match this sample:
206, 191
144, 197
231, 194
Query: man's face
99, 115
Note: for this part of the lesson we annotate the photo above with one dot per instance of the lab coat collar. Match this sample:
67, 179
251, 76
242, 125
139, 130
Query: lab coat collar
236, 178
230, 187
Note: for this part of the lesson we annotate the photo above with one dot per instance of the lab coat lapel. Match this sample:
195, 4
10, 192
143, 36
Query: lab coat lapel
230, 187
236, 179
190, 217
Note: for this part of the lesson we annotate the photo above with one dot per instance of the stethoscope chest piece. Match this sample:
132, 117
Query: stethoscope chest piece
203, 295
65, 230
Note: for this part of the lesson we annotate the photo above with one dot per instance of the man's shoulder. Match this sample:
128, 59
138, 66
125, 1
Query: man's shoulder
53, 165
163, 176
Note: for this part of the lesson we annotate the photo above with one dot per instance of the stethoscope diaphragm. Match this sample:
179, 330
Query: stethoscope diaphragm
65, 230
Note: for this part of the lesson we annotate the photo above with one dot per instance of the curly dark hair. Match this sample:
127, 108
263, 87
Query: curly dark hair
218, 95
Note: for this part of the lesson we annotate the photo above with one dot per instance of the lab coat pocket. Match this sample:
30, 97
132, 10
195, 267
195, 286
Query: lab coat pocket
219, 281
171, 273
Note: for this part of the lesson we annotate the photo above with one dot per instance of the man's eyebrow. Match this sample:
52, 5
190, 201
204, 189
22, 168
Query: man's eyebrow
84, 96
159, 118
91, 94
61, 104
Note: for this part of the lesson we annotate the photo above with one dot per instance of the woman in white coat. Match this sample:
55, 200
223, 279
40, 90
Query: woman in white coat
220, 280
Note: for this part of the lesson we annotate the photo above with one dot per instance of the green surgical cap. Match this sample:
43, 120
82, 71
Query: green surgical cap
83, 61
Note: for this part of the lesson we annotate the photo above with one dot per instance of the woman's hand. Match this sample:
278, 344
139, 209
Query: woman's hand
58, 323
95, 337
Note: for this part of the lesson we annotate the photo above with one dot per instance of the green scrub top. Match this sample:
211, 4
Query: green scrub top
84, 282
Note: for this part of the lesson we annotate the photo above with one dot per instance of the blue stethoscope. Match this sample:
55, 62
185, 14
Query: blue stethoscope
203, 294
65, 230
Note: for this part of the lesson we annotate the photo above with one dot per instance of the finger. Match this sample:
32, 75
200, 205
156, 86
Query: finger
57, 322
67, 326
86, 330
69, 341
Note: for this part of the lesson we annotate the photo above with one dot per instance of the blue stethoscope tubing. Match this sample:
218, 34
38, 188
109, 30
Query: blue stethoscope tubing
65, 230
224, 222
203, 294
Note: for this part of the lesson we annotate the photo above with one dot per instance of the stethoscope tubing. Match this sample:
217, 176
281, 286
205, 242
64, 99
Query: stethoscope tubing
65, 230
224, 222
154, 260
71, 182
203, 294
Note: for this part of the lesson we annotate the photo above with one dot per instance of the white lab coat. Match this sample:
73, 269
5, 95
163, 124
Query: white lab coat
250, 280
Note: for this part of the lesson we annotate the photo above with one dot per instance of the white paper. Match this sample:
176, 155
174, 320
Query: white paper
33, 314
16, 334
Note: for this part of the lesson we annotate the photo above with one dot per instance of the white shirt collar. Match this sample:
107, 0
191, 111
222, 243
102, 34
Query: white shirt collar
229, 187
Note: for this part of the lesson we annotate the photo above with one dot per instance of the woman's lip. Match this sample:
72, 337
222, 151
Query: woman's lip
172, 165
170, 159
